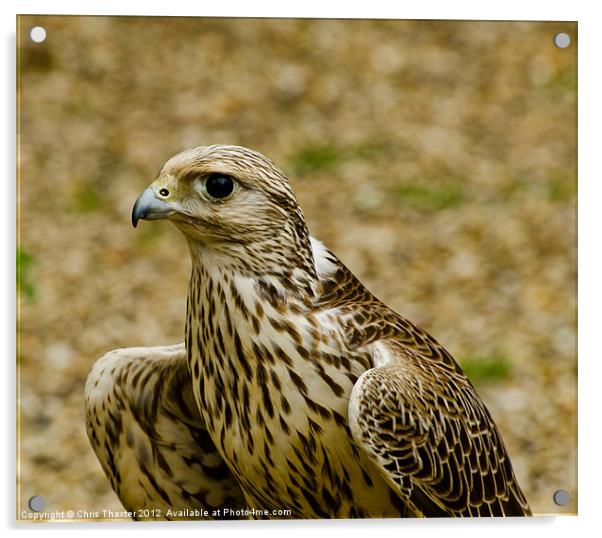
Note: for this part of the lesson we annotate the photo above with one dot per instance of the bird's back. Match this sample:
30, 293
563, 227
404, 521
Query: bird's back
417, 415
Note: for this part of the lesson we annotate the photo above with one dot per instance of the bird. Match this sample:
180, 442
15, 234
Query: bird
312, 395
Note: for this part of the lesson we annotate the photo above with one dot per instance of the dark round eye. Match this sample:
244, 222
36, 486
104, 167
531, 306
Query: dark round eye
164, 192
219, 186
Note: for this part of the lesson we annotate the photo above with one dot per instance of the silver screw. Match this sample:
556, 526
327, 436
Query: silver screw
562, 40
37, 34
561, 497
37, 503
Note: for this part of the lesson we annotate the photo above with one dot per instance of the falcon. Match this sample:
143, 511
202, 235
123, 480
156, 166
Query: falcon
296, 390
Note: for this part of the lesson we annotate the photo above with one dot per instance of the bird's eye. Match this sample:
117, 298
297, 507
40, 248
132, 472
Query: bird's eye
219, 186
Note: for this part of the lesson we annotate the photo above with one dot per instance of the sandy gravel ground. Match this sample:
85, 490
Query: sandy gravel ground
437, 159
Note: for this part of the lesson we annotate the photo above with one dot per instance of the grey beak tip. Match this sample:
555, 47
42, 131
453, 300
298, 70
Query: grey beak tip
147, 207
135, 216
138, 212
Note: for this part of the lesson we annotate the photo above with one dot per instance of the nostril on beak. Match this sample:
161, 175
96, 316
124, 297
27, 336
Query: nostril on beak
149, 207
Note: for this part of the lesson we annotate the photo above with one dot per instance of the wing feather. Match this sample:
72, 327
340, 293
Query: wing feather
432, 438
145, 428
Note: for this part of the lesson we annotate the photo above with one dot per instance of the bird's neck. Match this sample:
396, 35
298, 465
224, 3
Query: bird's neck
232, 314
282, 278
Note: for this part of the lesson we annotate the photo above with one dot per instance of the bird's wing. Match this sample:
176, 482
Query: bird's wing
144, 425
432, 438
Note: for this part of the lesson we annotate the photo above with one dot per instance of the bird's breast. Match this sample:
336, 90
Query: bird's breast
273, 388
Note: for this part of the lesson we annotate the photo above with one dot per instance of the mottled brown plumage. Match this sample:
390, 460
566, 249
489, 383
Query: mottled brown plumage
145, 428
317, 396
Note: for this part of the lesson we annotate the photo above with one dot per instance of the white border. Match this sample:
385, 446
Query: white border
590, 268
425, 9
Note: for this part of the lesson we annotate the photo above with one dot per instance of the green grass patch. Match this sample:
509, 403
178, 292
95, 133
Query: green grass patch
432, 198
93, 190
564, 80
88, 198
318, 158
370, 151
315, 158
562, 189
495, 367
25, 263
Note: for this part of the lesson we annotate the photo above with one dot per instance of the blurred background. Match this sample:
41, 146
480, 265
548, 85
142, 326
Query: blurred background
436, 159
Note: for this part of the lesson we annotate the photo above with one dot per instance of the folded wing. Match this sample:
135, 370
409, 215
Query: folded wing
432, 437
145, 428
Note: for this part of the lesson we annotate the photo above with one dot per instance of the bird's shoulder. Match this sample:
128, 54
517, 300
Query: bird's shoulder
364, 318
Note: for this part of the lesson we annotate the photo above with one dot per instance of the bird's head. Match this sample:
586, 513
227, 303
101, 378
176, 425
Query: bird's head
230, 201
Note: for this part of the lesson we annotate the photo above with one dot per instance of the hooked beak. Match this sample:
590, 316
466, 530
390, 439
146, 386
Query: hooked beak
148, 207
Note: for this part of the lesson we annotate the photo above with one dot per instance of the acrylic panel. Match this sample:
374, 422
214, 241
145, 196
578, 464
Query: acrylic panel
435, 159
